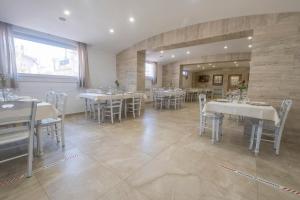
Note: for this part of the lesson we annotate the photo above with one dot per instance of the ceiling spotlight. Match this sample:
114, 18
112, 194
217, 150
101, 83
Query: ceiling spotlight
225, 47
250, 38
214, 66
188, 52
131, 19
235, 62
250, 45
209, 64
173, 56
67, 12
203, 68
161, 51
198, 66
111, 30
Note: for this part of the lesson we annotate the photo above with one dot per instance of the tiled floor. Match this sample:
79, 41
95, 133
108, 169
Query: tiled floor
158, 156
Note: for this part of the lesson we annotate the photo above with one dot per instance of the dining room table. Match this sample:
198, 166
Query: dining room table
260, 111
103, 97
44, 110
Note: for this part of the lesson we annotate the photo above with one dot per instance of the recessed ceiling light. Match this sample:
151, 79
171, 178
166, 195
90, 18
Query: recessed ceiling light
198, 66
173, 56
131, 19
188, 52
235, 62
203, 68
111, 30
250, 45
250, 38
161, 51
67, 12
214, 66
209, 64
225, 47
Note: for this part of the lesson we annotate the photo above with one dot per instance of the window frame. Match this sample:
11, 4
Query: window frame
43, 38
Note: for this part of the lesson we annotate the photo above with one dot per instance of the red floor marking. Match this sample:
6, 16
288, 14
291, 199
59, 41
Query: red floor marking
261, 180
15, 178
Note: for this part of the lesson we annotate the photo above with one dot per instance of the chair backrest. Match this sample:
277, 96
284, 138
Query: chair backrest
21, 113
202, 101
115, 101
218, 92
283, 113
61, 101
51, 97
97, 91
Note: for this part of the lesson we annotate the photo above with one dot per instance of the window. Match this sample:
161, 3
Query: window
150, 70
40, 56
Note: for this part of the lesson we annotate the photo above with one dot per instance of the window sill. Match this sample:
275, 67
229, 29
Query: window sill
46, 78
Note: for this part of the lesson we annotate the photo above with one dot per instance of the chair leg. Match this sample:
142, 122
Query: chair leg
30, 156
125, 108
56, 133
62, 132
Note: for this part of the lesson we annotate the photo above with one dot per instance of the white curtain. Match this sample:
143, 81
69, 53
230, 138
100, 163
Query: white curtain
8, 68
84, 79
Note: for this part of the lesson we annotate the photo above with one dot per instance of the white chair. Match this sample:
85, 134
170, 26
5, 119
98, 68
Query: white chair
134, 106
217, 93
159, 99
51, 97
17, 120
175, 100
271, 131
113, 107
56, 125
204, 117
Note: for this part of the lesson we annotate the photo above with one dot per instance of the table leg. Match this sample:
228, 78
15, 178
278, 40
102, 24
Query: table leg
86, 108
258, 136
213, 132
99, 110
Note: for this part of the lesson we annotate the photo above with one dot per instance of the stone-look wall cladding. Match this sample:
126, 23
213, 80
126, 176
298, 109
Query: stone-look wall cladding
275, 65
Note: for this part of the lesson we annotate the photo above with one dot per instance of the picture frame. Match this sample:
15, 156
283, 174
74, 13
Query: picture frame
218, 79
203, 79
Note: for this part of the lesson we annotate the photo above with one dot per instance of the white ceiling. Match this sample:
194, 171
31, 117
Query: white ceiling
211, 66
90, 20
234, 46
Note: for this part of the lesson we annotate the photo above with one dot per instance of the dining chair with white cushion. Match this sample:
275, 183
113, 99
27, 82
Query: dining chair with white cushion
134, 105
269, 130
56, 124
206, 118
17, 120
113, 107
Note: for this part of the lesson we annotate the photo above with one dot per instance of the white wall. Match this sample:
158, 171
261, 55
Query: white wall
102, 67
102, 72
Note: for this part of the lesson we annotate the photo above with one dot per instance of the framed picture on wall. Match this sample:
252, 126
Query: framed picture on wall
234, 80
218, 79
203, 78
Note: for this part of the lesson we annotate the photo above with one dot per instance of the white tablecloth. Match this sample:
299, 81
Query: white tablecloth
104, 97
241, 109
44, 110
